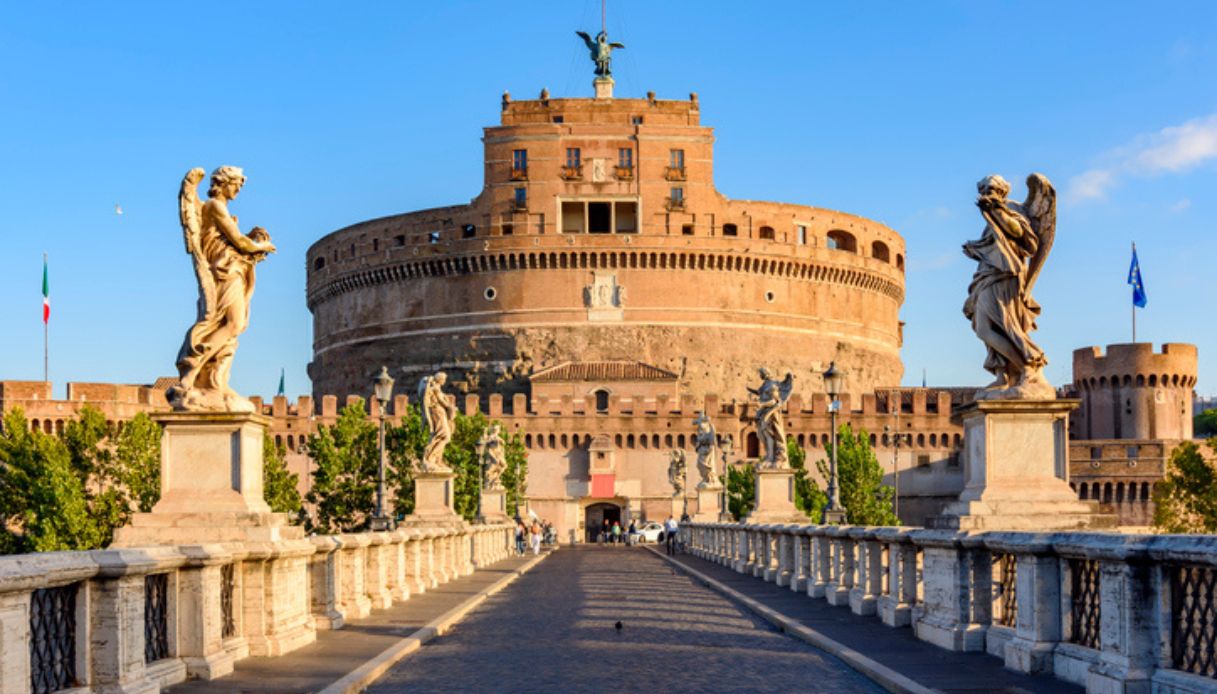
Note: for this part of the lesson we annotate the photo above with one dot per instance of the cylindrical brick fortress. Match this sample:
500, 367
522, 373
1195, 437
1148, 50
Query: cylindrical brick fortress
1132, 392
599, 236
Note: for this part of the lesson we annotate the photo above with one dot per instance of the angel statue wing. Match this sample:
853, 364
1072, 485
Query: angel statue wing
190, 210
616, 45
587, 39
423, 383
786, 386
1040, 208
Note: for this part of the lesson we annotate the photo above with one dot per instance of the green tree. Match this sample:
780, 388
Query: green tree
279, 485
405, 443
344, 480
88, 440
461, 456
860, 480
808, 498
137, 451
1205, 423
1185, 501
42, 500
515, 472
740, 482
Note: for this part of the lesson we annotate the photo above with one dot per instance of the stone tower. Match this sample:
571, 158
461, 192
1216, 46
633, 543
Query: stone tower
1133, 392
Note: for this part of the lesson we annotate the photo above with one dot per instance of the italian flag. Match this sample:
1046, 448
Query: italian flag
46, 294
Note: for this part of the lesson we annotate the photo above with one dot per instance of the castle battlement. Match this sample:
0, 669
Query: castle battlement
1131, 391
1136, 364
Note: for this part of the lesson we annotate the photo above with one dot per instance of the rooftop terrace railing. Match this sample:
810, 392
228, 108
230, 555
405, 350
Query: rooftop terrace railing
1109, 612
144, 618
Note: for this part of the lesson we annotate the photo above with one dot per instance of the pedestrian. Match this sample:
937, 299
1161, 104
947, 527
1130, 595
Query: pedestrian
604, 531
670, 528
632, 536
536, 537
520, 533
616, 532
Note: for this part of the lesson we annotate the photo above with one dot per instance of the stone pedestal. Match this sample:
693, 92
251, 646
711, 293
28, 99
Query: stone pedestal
603, 87
1016, 470
709, 504
433, 500
211, 485
493, 508
775, 498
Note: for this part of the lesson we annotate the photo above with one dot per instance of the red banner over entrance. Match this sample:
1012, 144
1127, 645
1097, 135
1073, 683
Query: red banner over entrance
602, 486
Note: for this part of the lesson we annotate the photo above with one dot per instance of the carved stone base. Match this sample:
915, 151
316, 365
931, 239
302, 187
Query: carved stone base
493, 507
433, 500
775, 498
604, 87
709, 504
1016, 470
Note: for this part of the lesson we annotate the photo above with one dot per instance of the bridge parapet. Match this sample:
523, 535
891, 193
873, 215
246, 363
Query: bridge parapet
1107, 611
138, 619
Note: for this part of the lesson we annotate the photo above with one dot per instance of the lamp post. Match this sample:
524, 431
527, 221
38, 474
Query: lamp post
896, 438
383, 390
833, 380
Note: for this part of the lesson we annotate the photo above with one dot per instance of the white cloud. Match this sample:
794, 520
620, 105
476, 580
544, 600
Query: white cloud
1175, 149
1181, 205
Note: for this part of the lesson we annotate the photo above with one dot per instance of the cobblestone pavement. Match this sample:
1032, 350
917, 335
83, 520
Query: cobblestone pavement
553, 630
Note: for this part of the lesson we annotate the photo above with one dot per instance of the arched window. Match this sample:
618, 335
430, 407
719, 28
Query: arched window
767, 234
629, 441
878, 251
602, 401
900, 262
842, 241
753, 445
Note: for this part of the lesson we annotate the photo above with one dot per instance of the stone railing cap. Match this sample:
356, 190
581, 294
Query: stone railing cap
353, 540
206, 555
1110, 546
1185, 549
22, 572
1019, 543
894, 533
134, 561
325, 543
938, 538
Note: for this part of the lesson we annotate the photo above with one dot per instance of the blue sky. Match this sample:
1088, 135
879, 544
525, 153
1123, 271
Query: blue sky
891, 110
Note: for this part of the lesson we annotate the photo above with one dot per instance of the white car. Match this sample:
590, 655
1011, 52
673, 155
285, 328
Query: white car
650, 531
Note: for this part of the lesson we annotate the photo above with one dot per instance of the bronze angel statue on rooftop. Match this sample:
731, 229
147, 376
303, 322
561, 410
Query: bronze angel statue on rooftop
602, 51
1009, 256
224, 261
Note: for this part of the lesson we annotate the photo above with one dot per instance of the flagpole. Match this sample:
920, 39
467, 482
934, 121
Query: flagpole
46, 334
1134, 303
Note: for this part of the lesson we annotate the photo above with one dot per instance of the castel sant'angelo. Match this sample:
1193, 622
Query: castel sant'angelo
599, 293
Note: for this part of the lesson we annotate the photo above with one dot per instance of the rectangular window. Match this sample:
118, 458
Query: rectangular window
468, 231
730, 230
399, 240
433, 237
802, 235
627, 217
572, 157
599, 217
625, 158
508, 229
676, 158
519, 161
678, 196
521, 199
923, 461
687, 230
572, 217
558, 119
636, 120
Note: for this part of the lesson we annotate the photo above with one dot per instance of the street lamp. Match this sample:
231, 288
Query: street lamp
383, 390
833, 380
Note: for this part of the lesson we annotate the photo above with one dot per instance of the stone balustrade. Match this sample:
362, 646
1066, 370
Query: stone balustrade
138, 619
1110, 612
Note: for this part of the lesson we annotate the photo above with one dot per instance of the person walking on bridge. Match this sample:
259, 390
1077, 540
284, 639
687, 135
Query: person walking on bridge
670, 529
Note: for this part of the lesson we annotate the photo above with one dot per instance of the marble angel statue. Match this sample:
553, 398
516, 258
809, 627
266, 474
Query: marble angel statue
770, 427
439, 416
224, 261
1009, 256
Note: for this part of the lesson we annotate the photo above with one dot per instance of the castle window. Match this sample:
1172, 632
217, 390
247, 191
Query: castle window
352, 250
468, 231
878, 251
521, 198
636, 120
399, 240
842, 241
559, 119
602, 401
519, 164
318, 263
573, 158
730, 230
433, 237
676, 158
923, 461
676, 199
687, 230
802, 234
1131, 452
625, 158
599, 217
627, 217
508, 229
375, 245
767, 233
900, 262
572, 217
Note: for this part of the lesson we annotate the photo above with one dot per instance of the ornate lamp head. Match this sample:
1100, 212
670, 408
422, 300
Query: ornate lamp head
834, 380
383, 386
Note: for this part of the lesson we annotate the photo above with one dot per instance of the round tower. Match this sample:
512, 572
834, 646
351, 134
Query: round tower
1133, 392
598, 236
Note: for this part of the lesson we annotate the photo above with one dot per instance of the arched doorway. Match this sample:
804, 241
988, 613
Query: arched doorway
596, 514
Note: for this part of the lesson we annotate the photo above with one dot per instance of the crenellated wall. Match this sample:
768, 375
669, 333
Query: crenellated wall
1133, 392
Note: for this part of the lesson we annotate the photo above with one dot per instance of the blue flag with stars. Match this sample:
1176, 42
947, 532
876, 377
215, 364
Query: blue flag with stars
1134, 278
